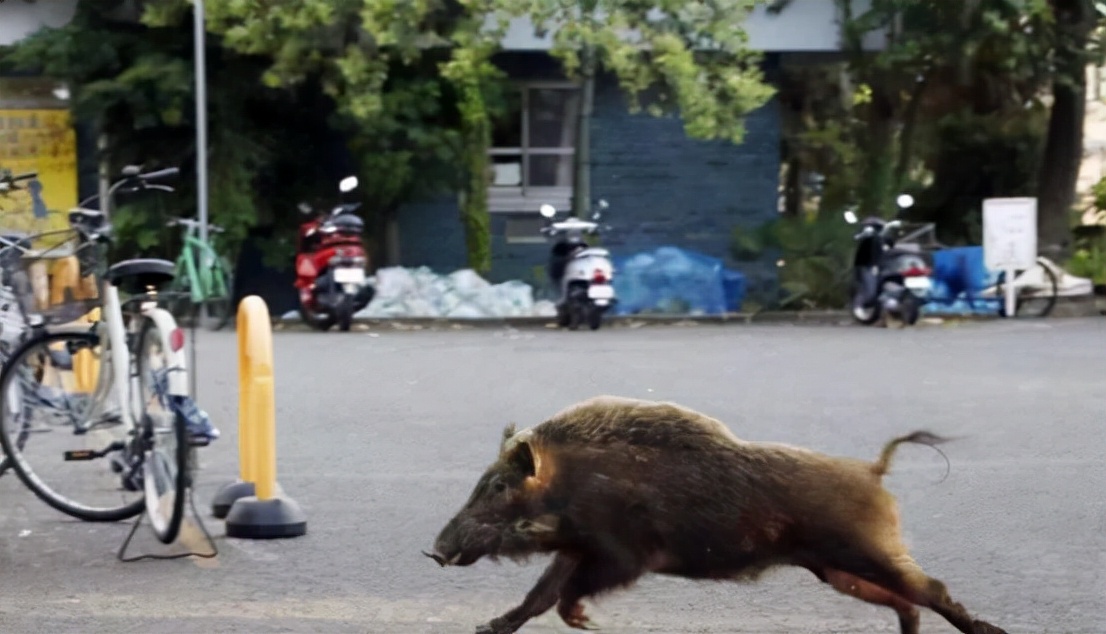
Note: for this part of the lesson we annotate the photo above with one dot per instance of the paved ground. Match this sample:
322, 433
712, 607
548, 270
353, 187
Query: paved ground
382, 436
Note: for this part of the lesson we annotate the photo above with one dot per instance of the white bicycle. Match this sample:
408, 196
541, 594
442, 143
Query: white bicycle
139, 424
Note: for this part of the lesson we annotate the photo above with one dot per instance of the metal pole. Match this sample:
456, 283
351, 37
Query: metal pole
201, 124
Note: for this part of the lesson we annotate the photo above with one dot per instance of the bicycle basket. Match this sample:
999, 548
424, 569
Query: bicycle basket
55, 285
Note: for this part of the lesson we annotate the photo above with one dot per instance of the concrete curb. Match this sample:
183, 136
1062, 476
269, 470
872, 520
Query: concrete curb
798, 318
1076, 307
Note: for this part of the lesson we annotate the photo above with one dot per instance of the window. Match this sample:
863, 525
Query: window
523, 229
533, 147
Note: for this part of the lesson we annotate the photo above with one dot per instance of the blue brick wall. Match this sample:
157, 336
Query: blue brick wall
663, 189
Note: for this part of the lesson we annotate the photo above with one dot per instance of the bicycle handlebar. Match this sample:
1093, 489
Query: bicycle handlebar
8, 183
156, 174
191, 223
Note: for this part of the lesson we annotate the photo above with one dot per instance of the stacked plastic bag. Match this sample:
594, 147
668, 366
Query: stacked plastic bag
462, 294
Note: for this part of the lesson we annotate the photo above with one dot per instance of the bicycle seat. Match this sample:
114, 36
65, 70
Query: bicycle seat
134, 276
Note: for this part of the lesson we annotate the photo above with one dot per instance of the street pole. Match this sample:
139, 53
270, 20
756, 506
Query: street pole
199, 44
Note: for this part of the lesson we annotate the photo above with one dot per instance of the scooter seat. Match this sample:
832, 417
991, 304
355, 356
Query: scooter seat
592, 252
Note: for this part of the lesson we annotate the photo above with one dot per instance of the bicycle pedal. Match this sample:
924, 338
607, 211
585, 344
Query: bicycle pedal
80, 454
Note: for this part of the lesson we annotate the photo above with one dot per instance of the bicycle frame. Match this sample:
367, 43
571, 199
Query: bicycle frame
201, 282
119, 353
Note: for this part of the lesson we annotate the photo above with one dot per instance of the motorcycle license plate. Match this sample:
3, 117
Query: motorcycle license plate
600, 291
349, 275
918, 283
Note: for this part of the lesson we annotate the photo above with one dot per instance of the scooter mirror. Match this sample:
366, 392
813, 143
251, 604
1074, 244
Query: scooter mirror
348, 184
547, 210
603, 204
132, 170
906, 201
304, 208
850, 217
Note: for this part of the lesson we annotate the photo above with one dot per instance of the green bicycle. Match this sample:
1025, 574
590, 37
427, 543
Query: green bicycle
203, 277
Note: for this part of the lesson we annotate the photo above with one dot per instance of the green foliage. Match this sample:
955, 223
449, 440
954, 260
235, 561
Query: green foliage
815, 254
1089, 262
411, 83
689, 58
134, 82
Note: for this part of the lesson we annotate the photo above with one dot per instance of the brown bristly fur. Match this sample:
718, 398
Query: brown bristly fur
619, 488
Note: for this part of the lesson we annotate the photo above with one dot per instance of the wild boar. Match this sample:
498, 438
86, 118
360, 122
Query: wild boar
619, 488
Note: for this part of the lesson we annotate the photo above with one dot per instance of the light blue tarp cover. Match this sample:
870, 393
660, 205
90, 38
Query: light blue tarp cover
669, 279
958, 276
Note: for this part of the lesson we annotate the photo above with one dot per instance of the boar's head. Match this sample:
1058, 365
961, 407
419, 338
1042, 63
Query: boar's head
499, 517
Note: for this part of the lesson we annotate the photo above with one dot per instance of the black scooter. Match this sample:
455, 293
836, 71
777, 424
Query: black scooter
887, 279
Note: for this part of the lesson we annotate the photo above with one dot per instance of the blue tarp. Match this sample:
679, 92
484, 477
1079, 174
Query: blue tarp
673, 280
958, 277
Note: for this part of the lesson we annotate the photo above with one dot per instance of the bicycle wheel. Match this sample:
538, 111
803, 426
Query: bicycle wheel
52, 419
21, 437
1035, 291
166, 470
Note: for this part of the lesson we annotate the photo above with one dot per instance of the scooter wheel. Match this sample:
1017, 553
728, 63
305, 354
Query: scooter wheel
595, 317
345, 314
865, 315
318, 322
574, 316
910, 309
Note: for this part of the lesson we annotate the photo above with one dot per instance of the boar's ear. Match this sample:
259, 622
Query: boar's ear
518, 452
508, 432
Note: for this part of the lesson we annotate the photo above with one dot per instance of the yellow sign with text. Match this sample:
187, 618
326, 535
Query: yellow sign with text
42, 141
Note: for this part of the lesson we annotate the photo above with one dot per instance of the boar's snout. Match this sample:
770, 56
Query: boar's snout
448, 549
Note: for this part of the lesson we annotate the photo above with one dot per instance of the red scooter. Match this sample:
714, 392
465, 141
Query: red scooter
330, 264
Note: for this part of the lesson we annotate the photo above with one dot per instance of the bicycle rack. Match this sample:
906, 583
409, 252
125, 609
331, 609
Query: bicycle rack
191, 502
195, 515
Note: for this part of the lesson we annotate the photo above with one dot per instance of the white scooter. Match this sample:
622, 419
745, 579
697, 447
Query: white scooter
581, 272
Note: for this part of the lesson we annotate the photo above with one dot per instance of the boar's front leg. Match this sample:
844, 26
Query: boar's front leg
541, 597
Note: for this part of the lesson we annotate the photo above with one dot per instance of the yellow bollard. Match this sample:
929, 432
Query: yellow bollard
86, 367
256, 407
254, 506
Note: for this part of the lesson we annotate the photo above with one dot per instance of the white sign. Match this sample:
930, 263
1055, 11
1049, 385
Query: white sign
1009, 233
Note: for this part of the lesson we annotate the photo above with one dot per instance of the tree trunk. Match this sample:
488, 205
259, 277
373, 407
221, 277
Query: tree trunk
581, 191
906, 139
876, 183
1063, 153
793, 185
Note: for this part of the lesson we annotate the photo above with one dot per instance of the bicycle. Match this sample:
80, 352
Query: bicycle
203, 277
1035, 289
156, 417
17, 292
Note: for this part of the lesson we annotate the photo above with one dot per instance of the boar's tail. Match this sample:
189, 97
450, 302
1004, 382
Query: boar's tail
881, 466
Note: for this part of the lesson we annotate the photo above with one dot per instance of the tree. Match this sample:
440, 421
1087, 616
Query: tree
688, 58
412, 84
1072, 23
133, 85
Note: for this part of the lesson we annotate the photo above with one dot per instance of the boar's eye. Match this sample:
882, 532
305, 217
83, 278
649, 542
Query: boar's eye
500, 486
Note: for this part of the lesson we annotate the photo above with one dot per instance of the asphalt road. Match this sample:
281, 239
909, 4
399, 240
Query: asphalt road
382, 435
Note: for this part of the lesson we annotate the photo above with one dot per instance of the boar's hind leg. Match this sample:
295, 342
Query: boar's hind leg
540, 598
932, 593
904, 579
867, 591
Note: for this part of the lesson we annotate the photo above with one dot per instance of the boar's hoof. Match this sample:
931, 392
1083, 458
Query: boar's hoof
983, 627
495, 627
575, 618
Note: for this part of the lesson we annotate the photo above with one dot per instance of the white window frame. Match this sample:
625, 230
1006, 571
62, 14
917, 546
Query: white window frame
524, 198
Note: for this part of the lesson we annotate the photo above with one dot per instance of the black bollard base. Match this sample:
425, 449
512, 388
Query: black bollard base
227, 495
274, 518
